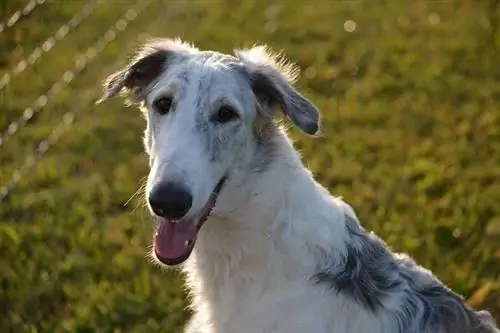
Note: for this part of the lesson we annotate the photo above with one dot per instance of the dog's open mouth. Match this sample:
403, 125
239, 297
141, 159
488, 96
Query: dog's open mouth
174, 240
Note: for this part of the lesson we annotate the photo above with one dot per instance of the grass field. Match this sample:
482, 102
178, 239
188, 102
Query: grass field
410, 96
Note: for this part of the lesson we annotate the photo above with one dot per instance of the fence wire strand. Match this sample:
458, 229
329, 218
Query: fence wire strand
68, 76
50, 42
18, 14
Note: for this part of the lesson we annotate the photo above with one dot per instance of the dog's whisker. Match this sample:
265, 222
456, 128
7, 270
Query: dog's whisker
140, 204
139, 190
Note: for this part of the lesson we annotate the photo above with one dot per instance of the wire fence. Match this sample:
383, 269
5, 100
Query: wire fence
70, 117
18, 14
69, 74
50, 42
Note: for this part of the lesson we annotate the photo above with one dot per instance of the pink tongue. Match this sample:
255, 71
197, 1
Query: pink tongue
171, 237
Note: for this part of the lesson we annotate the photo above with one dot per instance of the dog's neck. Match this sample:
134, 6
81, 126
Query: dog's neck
256, 237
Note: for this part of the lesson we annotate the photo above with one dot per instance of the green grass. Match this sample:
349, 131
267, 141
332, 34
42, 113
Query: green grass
411, 139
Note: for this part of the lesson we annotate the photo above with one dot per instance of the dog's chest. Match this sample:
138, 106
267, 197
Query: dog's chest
295, 307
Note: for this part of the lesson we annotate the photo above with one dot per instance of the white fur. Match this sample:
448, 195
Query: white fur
250, 270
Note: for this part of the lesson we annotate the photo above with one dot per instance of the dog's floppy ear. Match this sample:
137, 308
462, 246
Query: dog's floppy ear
271, 80
151, 60
135, 77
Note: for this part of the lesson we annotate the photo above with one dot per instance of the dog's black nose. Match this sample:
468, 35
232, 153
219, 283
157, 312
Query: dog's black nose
170, 200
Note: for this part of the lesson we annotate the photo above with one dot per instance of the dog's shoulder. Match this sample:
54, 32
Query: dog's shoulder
385, 283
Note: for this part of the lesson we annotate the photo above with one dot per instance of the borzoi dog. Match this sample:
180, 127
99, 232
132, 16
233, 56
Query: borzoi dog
265, 248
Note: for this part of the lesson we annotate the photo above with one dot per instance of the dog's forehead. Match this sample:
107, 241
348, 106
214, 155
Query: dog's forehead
208, 73
213, 69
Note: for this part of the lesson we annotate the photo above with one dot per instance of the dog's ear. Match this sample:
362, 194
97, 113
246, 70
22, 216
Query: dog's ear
135, 77
151, 60
271, 80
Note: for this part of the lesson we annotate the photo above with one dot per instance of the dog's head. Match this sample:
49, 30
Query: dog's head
207, 115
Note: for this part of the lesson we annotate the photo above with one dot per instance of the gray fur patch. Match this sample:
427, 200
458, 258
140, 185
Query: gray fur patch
374, 277
182, 80
264, 131
202, 126
430, 307
213, 137
367, 271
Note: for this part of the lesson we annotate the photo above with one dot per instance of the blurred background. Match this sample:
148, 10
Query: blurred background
410, 96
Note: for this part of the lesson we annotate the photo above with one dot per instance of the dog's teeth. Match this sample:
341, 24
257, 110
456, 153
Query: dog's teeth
186, 243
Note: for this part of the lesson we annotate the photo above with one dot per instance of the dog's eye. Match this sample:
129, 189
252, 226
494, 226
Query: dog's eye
226, 114
162, 105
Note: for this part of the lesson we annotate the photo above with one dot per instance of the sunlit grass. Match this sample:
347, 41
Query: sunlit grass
411, 139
